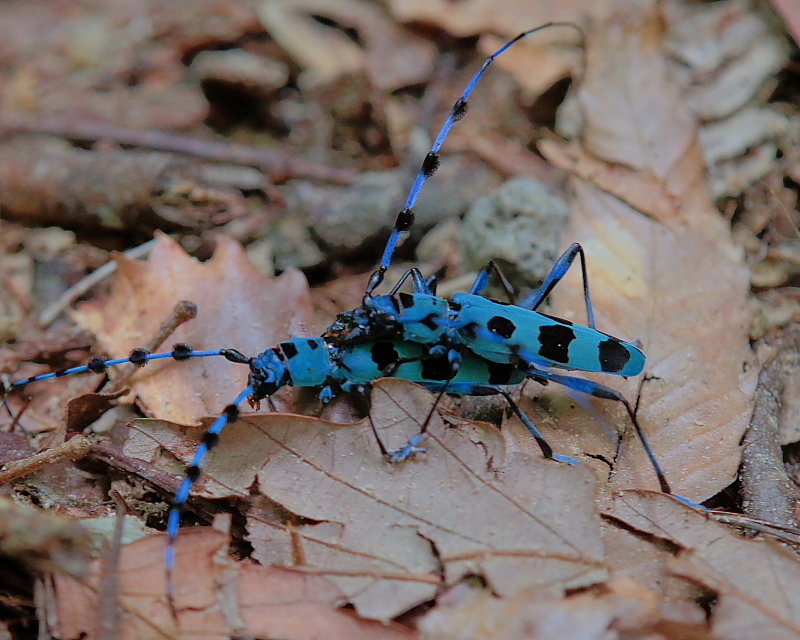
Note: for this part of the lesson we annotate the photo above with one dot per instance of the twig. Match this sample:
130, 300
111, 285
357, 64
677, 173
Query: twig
281, 166
184, 311
108, 612
779, 532
74, 449
74, 292
112, 455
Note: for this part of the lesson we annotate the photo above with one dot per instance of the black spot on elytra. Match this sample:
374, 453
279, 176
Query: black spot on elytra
470, 329
312, 344
406, 300
429, 321
499, 372
289, 349
379, 316
501, 326
384, 355
613, 355
554, 340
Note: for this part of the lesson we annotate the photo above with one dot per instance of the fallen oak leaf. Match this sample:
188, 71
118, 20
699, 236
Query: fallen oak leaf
238, 308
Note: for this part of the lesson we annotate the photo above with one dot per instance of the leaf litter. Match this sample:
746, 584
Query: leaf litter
391, 536
473, 504
225, 599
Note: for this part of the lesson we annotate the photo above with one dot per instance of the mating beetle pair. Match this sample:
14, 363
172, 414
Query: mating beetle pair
468, 345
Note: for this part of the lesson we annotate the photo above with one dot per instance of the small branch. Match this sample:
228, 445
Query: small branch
183, 312
76, 291
74, 449
280, 165
44, 180
108, 610
785, 534
113, 456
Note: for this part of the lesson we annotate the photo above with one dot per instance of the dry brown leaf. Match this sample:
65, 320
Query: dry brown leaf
342, 294
389, 535
646, 562
281, 603
681, 291
633, 108
683, 295
535, 62
637, 188
755, 580
639, 139
542, 59
238, 308
392, 58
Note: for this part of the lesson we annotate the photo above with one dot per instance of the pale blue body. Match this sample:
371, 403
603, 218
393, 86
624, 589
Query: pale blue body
524, 336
